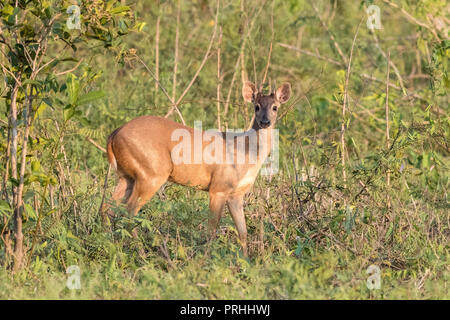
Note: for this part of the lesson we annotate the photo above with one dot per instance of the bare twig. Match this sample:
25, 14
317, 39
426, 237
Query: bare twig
161, 86
388, 174
412, 18
244, 23
345, 105
312, 54
67, 71
44, 65
244, 77
227, 101
101, 209
397, 72
175, 63
154, 78
158, 22
336, 44
96, 145
219, 79
18, 253
202, 63
236, 66
270, 48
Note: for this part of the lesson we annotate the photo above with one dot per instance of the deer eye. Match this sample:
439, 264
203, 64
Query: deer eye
257, 107
275, 108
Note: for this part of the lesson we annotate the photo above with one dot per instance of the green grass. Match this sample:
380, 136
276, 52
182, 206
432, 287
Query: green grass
317, 259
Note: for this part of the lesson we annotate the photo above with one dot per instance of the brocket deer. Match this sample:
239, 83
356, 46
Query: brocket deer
145, 153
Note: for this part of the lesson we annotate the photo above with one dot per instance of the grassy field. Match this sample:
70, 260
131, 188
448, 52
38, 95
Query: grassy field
314, 227
313, 255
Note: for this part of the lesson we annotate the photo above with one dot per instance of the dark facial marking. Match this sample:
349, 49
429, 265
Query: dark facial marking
265, 110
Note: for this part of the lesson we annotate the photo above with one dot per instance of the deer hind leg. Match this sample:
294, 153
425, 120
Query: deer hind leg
120, 194
236, 206
144, 189
123, 190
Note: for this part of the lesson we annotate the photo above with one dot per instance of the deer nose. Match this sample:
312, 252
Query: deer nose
265, 122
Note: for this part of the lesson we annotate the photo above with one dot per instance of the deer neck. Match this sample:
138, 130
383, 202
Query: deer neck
264, 140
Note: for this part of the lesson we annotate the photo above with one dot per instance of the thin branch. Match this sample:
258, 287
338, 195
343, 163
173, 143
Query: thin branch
233, 79
154, 78
219, 79
6, 70
66, 71
236, 66
244, 24
397, 73
388, 175
96, 145
160, 85
411, 18
336, 45
101, 209
158, 22
201, 65
175, 63
312, 54
270, 48
345, 105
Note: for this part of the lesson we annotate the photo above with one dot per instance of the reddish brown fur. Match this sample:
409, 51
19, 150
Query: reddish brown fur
141, 150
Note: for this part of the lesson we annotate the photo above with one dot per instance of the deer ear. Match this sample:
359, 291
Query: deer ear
284, 92
248, 91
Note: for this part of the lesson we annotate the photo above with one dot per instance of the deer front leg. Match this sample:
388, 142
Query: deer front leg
216, 205
235, 204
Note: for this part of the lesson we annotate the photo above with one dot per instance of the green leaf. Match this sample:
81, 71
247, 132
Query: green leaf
139, 26
69, 113
35, 166
15, 182
70, 235
40, 110
33, 82
30, 211
181, 252
5, 208
48, 102
7, 10
120, 9
90, 96
73, 88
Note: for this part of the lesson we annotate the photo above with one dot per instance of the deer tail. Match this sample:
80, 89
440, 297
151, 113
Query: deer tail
109, 150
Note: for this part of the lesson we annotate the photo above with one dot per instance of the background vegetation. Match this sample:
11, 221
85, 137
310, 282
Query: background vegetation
364, 147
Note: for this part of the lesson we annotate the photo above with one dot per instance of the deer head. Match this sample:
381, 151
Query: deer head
266, 106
